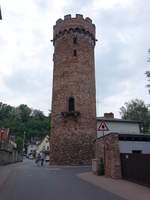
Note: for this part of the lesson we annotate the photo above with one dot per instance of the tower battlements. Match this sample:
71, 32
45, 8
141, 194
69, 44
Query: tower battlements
74, 24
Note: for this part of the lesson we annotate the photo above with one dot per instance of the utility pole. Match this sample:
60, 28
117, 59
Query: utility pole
103, 127
23, 142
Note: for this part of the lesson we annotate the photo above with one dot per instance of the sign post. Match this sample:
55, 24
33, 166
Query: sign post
103, 127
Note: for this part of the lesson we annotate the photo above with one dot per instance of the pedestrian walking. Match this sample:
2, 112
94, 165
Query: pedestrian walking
38, 159
42, 158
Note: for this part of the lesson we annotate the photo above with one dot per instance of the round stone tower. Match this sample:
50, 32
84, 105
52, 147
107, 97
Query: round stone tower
73, 119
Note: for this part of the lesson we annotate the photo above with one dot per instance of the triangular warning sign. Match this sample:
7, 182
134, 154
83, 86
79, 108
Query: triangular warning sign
103, 126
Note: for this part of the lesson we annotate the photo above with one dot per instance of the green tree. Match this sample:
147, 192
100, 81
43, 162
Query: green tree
19, 142
148, 76
24, 112
136, 110
147, 73
23, 118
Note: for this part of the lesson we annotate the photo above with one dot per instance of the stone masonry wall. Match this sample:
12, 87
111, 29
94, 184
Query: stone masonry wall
112, 154
8, 157
72, 134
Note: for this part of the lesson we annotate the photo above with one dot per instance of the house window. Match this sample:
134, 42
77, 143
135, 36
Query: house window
75, 52
71, 104
136, 151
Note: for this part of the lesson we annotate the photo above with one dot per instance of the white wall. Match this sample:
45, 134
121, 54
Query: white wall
119, 127
129, 146
44, 145
31, 148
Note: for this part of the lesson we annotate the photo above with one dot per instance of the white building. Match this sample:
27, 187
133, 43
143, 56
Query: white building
108, 124
31, 149
134, 143
44, 146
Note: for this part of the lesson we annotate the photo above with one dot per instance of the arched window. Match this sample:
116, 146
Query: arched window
75, 52
71, 104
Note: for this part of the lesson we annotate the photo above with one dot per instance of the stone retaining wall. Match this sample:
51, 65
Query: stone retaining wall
8, 157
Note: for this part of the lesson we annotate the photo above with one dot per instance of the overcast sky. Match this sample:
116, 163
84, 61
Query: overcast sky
26, 67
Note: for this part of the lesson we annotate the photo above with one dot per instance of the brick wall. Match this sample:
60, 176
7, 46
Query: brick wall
112, 154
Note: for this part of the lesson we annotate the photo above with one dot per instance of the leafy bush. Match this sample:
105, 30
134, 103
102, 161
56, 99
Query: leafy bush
101, 168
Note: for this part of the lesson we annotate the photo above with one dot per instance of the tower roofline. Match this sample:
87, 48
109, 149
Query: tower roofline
75, 24
78, 16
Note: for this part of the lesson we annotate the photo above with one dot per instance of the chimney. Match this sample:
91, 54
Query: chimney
109, 115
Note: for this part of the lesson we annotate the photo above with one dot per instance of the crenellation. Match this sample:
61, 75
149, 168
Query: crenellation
67, 17
87, 19
59, 21
78, 19
79, 16
74, 23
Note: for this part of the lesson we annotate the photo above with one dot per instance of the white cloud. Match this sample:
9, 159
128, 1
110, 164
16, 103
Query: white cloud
26, 51
110, 4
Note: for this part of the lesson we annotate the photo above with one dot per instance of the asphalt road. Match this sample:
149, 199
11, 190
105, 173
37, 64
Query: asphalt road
26, 181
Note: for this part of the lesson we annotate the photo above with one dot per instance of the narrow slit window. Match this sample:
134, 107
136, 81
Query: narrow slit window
71, 104
75, 52
75, 40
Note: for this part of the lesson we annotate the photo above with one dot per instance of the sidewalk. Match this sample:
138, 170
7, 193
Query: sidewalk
122, 188
5, 171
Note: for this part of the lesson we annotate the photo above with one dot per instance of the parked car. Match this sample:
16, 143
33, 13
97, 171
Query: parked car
47, 158
31, 157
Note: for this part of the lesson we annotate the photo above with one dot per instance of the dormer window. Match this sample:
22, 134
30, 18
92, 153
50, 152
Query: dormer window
71, 105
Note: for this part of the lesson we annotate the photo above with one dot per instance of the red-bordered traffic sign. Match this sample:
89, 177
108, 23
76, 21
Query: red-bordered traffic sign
103, 126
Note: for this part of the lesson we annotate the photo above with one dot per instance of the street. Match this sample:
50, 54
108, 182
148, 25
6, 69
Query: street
26, 181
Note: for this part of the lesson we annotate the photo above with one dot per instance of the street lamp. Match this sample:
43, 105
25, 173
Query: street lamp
23, 149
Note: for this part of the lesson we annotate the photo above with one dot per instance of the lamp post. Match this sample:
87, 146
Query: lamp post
23, 142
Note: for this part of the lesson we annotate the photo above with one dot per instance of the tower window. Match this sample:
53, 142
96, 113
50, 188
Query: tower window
75, 52
71, 104
75, 40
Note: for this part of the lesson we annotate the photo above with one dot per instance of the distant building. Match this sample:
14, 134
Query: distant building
116, 125
7, 141
122, 148
4, 134
31, 149
8, 148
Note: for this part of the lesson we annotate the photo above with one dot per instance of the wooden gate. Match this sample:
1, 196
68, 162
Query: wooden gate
136, 167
